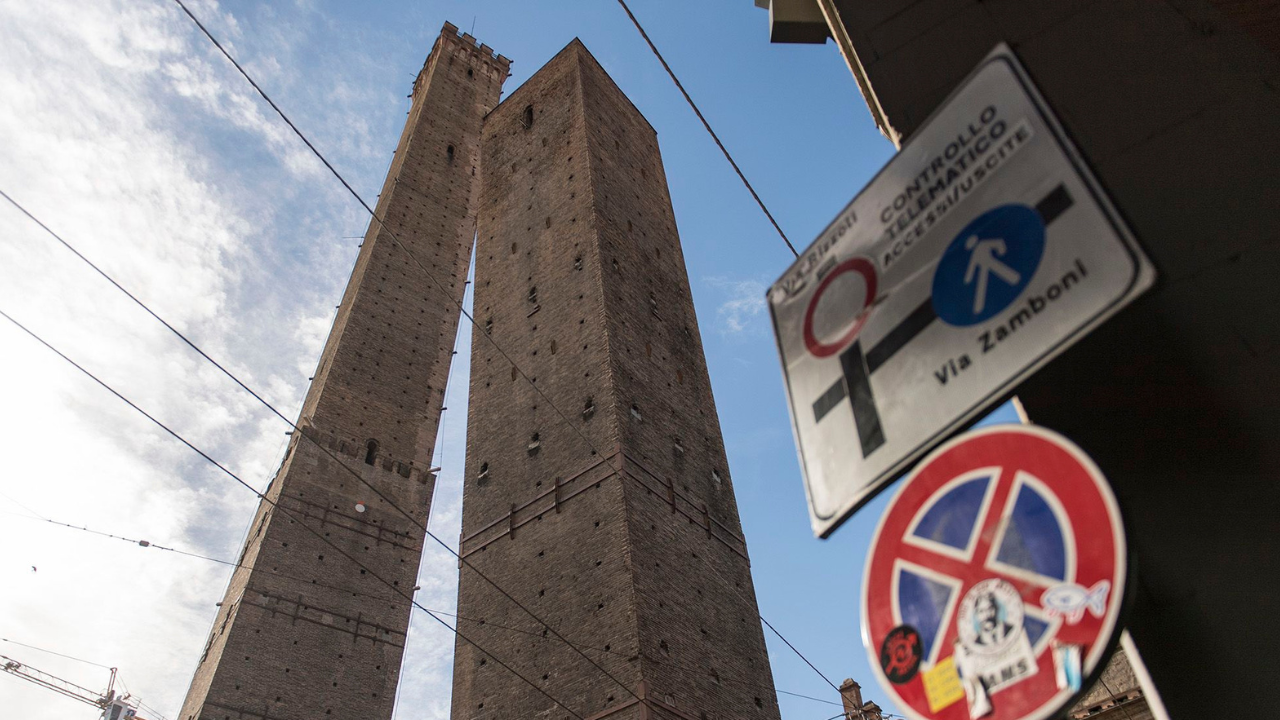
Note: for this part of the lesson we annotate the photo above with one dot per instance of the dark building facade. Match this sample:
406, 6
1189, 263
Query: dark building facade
1115, 695
1174, 106
615, 522
303, 632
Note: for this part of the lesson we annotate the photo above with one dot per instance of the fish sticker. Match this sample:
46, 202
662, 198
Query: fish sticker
1070, 600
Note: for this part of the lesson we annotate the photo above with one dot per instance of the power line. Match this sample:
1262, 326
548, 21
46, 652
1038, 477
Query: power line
707, 125
159, 715
300, 431
190, 343
439, 286
277, 413
277, 507
61, 655
396, 241
332, 456
444, 292
797, 652
138, 700
1122, 703
489, 624
24, 507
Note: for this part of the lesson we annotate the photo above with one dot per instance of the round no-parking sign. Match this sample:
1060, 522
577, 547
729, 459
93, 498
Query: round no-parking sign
994, 581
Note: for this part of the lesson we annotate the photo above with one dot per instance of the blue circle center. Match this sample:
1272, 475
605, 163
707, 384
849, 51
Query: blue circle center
988, 265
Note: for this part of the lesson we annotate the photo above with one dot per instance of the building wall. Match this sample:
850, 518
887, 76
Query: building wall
1115, 694
1176, 106
304, 632
616, 523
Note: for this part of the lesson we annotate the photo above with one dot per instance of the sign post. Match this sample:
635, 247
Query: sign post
995, 579
982, 250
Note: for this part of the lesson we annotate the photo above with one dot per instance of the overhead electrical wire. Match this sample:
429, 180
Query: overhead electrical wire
276, 506
440, 287
449, 297
137, 700
797, 652
489, 624
24, 507
61, 655
707, 125
48, 230
293, 425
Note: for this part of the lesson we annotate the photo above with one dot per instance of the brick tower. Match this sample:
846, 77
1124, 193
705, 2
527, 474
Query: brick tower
306, 633
632, 549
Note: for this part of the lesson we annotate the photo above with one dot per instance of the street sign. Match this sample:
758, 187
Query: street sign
994, 580
982, 250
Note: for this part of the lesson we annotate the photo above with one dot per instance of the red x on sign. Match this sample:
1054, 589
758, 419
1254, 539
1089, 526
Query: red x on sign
1005, 553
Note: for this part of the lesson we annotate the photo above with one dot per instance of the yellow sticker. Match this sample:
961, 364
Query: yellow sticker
942, 685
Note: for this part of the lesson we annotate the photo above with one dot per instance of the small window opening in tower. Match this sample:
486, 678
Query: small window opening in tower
577, 263
470, 73
370, 451
533, 294
715, 476
484, 472
527, 118
449, 153
678, 445
589, 409
534, 443
635, 412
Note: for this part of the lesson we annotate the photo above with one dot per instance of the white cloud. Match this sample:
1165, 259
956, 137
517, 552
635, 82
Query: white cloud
741, 307
125, 132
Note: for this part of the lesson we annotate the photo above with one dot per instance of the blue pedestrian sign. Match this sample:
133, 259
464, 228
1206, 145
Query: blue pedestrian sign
988, 265
981, 251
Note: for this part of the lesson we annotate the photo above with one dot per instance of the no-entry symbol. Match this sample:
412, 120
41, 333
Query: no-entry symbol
982, 250
849, 309
1004, 550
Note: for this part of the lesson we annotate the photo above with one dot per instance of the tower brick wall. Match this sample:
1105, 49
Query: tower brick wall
302, 631
616, 522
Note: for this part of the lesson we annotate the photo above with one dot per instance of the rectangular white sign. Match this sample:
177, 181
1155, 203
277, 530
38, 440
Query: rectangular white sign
982, 250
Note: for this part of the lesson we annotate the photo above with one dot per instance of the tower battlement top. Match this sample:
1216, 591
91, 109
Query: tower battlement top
450, 33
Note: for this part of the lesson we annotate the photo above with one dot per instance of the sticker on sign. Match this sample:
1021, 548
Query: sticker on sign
982, 250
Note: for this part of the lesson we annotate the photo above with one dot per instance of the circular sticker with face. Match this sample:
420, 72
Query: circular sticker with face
990, 617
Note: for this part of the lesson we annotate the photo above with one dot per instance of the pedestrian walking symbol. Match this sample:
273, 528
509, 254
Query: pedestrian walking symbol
987, 266
983, 262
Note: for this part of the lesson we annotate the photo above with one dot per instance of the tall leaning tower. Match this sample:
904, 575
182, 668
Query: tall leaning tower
618, 527
303, 632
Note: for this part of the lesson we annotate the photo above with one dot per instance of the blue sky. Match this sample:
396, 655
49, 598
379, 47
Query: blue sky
125, 132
